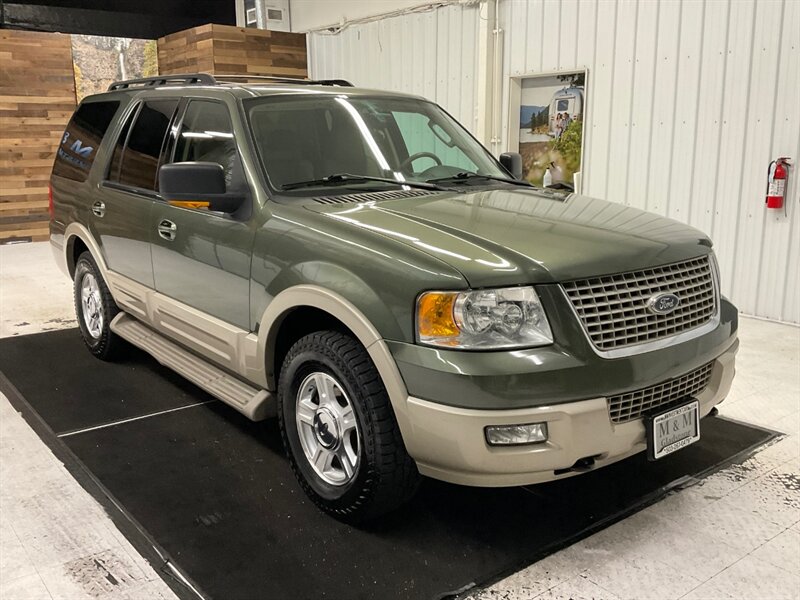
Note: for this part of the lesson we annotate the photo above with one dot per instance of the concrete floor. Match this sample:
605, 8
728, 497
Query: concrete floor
56, 541
735, 534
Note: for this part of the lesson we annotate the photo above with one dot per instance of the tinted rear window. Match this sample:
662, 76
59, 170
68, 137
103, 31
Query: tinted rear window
119, 148
82, 138
143, 149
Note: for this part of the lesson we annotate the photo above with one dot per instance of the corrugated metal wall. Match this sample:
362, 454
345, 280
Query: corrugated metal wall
688, 102
432, 54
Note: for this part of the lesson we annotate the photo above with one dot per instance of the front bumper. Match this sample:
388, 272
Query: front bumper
448, 442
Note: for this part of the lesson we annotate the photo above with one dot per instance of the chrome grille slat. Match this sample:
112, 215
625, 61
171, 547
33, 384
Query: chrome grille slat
642, 283
613, 308
699, 287
701, 295
623, 327
629, 406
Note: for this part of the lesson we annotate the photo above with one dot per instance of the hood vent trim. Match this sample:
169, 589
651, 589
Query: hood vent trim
372, 196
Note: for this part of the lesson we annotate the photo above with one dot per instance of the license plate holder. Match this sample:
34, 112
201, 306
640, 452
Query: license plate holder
673, 429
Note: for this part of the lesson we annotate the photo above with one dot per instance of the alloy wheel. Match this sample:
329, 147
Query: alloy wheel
328, 429
92, 306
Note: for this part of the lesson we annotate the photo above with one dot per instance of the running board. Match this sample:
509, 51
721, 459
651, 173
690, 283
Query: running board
250, 401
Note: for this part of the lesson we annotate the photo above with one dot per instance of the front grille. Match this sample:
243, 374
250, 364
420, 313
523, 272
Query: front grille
632, 405
613, 308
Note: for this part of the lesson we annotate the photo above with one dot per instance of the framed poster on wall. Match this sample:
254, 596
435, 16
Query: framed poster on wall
546, 120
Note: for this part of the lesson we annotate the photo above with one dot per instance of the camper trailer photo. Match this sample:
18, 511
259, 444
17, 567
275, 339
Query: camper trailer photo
551, 116
565, 107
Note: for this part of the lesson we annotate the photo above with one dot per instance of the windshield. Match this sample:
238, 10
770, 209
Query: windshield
403, 139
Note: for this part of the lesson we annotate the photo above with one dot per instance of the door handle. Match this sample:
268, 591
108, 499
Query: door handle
99, 208
167, 230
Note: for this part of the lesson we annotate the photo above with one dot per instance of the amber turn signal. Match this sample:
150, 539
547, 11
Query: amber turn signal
194, 204
435, 315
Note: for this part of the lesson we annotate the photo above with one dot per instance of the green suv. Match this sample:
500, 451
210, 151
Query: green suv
356, 261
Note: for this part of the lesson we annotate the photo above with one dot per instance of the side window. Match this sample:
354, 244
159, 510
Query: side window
119, 147
206, 135
82, 139
139, 162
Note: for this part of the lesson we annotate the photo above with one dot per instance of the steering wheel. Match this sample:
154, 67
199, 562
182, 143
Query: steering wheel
407, 162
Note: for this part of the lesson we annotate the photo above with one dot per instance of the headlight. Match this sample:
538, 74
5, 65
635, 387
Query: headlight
483, 319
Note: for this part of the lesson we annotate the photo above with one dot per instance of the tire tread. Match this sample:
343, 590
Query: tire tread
393, 478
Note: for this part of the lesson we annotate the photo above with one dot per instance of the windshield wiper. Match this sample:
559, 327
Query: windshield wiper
345, 178
466, 175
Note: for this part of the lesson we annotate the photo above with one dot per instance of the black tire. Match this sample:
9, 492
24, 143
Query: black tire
385, 477
104, 344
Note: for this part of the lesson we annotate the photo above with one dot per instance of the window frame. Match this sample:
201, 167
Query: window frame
177, 126
133, 115
279, 196
103, 140
168, 152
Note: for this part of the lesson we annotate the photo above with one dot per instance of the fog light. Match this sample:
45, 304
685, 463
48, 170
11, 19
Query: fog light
513, 435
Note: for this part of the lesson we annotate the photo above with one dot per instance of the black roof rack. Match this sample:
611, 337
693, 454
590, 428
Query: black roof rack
295, 80
189, 79
206, 79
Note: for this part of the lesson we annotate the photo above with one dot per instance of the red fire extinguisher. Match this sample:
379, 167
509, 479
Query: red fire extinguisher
776, 182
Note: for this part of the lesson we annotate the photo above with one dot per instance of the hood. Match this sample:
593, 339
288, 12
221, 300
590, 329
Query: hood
507, 237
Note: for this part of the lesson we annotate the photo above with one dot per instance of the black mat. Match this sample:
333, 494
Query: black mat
215, 492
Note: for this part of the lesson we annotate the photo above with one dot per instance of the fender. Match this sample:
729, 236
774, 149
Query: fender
343, 310
342, 281
75, 229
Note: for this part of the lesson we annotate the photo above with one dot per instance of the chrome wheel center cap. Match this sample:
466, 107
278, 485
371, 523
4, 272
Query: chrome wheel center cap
325, 429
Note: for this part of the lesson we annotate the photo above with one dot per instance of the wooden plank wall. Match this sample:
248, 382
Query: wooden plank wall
188, 51
37, 97
222, 49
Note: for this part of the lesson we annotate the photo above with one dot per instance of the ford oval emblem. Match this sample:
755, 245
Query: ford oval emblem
663, 303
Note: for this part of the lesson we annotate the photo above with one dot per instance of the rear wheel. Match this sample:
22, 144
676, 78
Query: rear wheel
95, 309
339, 429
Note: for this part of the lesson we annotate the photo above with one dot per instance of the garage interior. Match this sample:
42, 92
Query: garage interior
123, 480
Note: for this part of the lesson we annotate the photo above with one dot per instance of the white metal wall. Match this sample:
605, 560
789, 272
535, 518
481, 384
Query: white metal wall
432, 54
688, 102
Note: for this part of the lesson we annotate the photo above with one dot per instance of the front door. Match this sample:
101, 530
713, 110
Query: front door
202, 258
121, 214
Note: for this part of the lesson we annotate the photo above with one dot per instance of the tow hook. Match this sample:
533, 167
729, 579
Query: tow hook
581, 466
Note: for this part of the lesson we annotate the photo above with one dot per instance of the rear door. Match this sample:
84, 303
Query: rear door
122, 213
77, 157
202, 258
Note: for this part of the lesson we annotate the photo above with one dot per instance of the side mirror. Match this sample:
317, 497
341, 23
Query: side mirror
512, 162
197, 185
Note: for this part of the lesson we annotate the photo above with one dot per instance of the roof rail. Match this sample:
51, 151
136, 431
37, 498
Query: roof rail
206, 79
294, 80
189, 79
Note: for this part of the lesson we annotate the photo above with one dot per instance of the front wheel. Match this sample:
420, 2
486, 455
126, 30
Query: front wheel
339, 429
